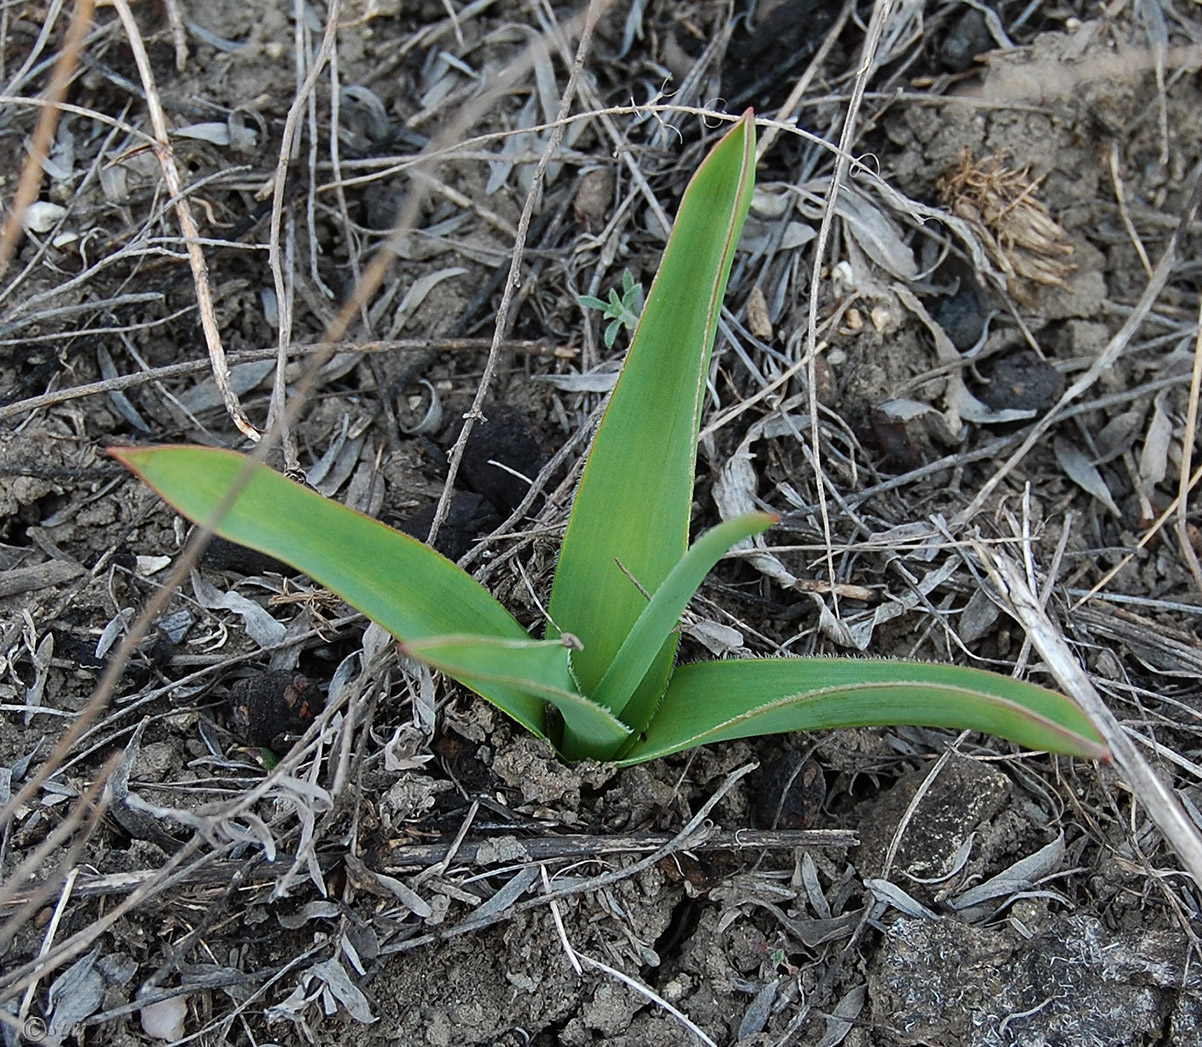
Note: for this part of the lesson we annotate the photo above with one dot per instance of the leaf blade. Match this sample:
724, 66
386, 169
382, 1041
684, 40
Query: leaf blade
635, 657
635, 496
718, 701
394, 579
537, 667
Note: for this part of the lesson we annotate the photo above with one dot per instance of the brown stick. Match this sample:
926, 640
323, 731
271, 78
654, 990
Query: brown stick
183, 210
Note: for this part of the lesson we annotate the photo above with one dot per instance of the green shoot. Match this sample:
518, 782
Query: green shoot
622, 310
626, 572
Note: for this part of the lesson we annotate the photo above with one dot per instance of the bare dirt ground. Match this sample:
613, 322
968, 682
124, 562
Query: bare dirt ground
1004, 359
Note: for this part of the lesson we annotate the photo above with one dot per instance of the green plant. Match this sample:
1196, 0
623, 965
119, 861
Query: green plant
625, 573
622, 310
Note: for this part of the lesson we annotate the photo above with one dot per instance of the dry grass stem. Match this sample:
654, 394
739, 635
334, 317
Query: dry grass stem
277, 416
881, 10
1165, 808
501, 326
1187, 533
31, 170
183, 210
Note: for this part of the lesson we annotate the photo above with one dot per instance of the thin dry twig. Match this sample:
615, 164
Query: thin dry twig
50, 17
648, 993
463, 850
48, 938
1120, 197
469, 148
296, 350
920, 793
475, 413
695, 832
1156, 796
276, 415
179, 37
183, 209
1184, 486
445, 146
872, 39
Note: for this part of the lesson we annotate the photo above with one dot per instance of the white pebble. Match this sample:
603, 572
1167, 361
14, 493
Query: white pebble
42, 216
165, 1020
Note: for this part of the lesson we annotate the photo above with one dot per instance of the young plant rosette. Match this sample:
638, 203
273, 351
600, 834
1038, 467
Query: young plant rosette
604, 682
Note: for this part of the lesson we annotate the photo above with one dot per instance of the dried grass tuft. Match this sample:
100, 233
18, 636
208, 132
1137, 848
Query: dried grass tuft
1022, 237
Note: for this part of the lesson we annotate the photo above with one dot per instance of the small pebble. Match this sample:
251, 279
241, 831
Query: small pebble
273, 709
1022, 381
882, 319
969, 37
165, 1020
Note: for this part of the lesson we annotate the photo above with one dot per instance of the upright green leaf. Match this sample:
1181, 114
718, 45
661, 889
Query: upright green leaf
717, 701
395, 580
662, 614
634, 501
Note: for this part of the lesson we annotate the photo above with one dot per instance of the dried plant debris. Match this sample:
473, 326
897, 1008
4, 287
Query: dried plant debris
1000, 204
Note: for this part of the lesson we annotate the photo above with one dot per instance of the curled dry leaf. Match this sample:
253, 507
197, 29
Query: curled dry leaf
212, 132
759, 318
1078, 468
1154, 456
867, 223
